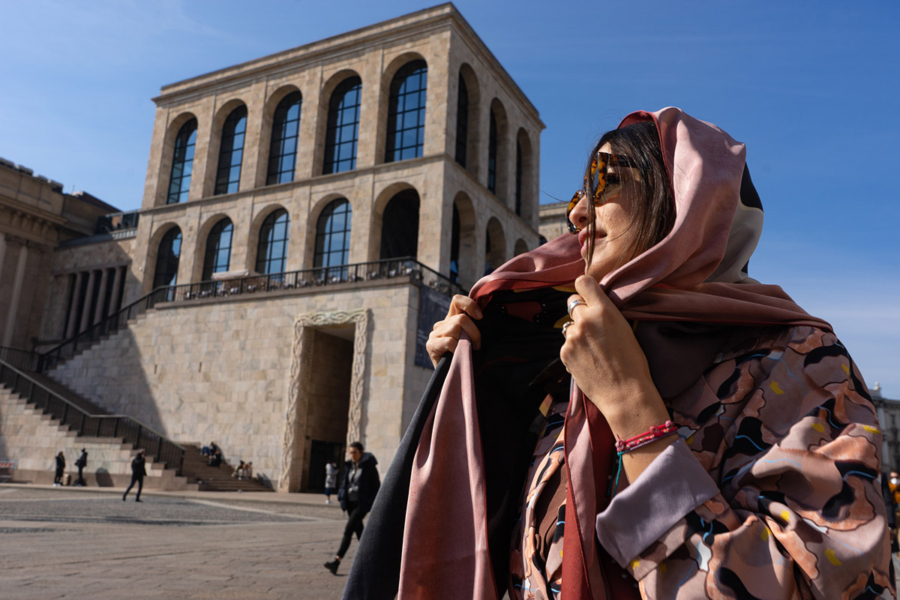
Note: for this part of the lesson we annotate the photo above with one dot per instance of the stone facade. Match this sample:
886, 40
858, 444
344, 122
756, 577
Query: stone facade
35, 217
266, 375
553, 220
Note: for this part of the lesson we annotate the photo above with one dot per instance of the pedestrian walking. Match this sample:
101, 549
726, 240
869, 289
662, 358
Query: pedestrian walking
331, 472
359, 485
81, 463
138, 470
60, 469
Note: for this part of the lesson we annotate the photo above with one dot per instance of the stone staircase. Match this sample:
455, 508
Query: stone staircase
215, 479
34, 438
84, 346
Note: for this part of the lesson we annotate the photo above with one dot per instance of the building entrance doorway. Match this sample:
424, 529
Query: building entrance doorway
321, 453
328, 402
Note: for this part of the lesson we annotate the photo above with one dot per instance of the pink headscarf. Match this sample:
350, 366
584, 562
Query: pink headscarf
694, 275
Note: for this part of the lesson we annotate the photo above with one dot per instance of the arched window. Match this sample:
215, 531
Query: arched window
218, 249
231, 152
283, 149
400, 226
333, 235
454, 246
271, 255
518, 178
406, 112
166, 271
462, 121
343, 127
182, 163
492, 154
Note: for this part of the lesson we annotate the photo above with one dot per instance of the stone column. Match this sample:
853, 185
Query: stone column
88, 299
18, 280
2, 253
118, 279
104, 280
72, 327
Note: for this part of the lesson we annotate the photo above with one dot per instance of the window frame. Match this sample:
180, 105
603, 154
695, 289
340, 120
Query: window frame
234, 133
182, 160
401, 95
334, 161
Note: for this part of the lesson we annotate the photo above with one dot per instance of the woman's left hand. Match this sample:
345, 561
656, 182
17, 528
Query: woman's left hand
608, 364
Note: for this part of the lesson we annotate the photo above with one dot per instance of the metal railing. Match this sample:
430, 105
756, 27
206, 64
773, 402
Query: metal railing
393, 268
20, 359
131, 431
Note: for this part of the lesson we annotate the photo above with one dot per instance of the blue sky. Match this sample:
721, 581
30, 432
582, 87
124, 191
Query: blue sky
810, 86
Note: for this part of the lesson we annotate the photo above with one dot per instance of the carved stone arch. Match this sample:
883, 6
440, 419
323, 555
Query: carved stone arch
164, 175
468, 240
200, 242
253, 233
498, 114
382, 198
313, 222
474, 135
328, 89
215, 142
525, 188
297, 404
494, 245
387, 77
265, 136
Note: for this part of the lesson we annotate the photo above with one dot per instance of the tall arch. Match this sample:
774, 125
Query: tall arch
272, 248
526, 177
342, 128
494, 246
231, 151
217, 257
521, 247
182, 162
497, 150
406, 112
467, 118
333, 227
400, 225
168, 255
463, 241
285, 132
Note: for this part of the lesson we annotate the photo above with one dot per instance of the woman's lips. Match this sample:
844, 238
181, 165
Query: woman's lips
582, 237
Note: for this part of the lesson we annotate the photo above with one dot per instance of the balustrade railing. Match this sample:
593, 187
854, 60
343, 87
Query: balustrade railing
394, 268
132, 431
20, 359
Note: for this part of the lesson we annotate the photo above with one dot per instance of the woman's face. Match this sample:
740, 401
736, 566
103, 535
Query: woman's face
614, 236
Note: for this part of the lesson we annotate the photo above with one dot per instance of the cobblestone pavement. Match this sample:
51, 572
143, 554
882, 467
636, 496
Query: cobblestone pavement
58, 543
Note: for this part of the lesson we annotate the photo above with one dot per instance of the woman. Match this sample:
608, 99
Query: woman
60, 469
769, 488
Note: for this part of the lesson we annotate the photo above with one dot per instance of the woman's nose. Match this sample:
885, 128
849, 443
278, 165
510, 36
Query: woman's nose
578, 216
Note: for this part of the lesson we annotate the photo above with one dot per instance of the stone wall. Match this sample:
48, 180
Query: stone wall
221, 370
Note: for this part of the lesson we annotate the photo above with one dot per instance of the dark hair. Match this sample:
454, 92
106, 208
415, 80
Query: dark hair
357, 445
654, 216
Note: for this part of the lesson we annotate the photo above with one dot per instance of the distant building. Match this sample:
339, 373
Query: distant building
305, 218
889, 417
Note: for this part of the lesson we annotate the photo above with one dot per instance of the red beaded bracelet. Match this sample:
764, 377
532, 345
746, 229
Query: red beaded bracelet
656, 432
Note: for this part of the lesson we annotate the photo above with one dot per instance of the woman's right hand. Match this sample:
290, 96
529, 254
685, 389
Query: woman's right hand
445, 334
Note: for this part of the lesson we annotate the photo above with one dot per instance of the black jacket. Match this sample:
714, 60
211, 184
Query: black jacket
137, 467
369, 482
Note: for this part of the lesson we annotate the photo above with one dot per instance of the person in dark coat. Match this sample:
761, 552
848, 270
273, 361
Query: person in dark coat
359, 486
138, 470
60, 469
81, 463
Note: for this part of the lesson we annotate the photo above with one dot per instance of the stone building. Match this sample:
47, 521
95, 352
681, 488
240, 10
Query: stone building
305, 217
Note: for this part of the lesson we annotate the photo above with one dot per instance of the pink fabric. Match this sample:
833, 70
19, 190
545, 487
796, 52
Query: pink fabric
669, 282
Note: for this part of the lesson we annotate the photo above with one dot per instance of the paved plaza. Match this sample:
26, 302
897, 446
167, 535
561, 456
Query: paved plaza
88, 544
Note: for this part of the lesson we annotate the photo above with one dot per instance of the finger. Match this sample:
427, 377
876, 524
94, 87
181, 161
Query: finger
591, 291
464, 304
471, 330
439, 347
454, 326
570, 300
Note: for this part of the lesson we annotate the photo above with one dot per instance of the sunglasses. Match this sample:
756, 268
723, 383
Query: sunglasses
599, 176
